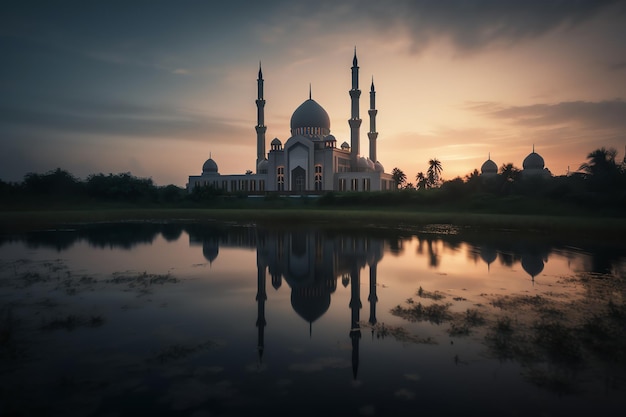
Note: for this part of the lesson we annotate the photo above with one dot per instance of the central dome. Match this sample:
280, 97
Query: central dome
310, 119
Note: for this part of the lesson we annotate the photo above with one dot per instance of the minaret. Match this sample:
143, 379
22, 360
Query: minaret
372, 134
260, 123
355, 121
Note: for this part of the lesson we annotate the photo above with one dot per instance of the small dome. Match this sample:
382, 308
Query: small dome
379, 167
489, 167
276, 141
365, 163
533, 161
209, 166
330, 138
262, 167
345, 145
312, 116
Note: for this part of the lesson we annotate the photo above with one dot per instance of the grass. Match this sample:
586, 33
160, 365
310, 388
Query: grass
580, 226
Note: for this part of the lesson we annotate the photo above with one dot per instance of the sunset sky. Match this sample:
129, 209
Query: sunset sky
154, 87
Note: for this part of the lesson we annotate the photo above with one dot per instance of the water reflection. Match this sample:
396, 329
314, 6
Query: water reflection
434, 303
306, 252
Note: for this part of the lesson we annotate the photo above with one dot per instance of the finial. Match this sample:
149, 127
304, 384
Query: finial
309, 91
489, 157
372, 84
260, 72
354, 60
533, 148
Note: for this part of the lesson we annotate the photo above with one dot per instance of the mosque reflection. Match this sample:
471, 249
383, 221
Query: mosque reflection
303, 256
311, 263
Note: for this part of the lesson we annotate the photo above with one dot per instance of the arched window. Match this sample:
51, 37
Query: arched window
318, 177
280, 178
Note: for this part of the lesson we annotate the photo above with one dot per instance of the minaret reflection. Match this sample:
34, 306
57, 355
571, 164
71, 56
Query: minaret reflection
311, 263
261, 296
355, 308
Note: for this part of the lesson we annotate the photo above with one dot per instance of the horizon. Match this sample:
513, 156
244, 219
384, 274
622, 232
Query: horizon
154, 89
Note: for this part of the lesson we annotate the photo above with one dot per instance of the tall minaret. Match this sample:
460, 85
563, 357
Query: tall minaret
260, 121
372, 134
355, 121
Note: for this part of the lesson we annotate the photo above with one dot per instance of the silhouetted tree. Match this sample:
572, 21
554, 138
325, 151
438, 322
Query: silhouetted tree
172, 194
57, 182
433, 174
601, 162
399, 177
124, 187
602, 170
510, 172
421, 181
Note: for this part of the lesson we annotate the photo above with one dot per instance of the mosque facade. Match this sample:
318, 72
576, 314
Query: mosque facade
309, 161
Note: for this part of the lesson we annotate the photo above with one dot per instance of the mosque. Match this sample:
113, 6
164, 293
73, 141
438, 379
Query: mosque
309, 161
532, 167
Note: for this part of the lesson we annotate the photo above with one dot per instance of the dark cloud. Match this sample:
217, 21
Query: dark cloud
607, 114
118, 119
477, 24
469, 25
145, 27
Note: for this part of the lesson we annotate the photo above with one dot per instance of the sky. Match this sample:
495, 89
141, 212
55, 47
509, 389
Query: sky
156, 87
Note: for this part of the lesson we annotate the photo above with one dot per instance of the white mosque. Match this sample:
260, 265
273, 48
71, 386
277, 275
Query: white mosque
309, 161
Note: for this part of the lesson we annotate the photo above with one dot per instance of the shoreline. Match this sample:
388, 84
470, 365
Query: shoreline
580, 226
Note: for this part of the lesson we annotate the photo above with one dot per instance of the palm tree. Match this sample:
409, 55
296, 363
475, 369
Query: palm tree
398, 176
510, 172
421, 181
434, 172
601, 162
603, 170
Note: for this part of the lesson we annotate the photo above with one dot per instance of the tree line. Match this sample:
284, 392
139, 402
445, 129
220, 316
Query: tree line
59, 185
600, 182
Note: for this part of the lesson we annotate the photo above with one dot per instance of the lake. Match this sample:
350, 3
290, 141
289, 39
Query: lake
218, 318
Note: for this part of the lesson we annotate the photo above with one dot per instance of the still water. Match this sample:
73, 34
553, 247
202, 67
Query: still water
205, 319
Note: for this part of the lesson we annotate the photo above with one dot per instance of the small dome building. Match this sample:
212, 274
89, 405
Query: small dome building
209, 167
489, 168
534, 166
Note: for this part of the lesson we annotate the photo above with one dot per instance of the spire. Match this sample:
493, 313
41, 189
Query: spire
260, 120
372, 134
355, 120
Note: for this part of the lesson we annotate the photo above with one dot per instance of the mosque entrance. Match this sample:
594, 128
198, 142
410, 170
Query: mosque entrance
298, 179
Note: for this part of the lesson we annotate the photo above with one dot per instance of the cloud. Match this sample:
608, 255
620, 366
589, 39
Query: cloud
119, 118
608, 114
470, 26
